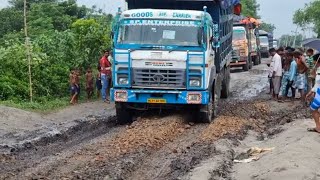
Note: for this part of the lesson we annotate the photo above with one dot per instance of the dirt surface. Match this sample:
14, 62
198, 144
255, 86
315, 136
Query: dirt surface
167, 146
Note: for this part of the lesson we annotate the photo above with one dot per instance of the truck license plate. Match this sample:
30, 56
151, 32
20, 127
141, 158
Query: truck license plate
157, 101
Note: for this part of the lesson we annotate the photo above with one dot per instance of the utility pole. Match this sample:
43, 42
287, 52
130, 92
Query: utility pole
295, 37
27, 45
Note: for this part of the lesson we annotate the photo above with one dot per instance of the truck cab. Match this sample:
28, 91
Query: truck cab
241, 45
264, 43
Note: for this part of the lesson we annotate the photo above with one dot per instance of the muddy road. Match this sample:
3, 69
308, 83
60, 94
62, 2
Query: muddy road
165, 146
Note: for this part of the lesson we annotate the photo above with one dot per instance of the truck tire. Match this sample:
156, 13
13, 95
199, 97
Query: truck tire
250, 62
246, 66
225, 91
124, 115
256, 60
208, 112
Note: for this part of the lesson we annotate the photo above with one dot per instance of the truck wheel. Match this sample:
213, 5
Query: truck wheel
256, 60
208, 112
246, 66
124, 115
250, 62
225, 91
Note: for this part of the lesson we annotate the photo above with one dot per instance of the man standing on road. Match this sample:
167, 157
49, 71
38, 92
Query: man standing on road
311, 64
275, 72
300, 83
105, 75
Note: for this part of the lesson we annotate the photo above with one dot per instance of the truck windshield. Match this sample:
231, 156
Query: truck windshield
264, 40
160, 32
239, 35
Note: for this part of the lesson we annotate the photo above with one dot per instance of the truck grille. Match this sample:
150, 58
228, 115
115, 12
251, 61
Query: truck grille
235, 53
159, 78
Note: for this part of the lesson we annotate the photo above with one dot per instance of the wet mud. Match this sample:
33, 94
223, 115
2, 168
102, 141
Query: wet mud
155, 147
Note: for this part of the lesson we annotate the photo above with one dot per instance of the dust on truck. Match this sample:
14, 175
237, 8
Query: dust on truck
175, 55
245, 49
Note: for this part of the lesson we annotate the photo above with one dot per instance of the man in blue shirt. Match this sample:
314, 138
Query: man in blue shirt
292, 74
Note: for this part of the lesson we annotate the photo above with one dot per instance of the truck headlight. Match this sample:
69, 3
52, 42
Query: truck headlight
194, 83
123, 80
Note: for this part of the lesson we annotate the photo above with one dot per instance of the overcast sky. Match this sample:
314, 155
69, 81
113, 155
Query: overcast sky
278, 12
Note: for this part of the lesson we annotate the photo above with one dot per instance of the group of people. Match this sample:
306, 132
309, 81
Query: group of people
103, 81
291, 70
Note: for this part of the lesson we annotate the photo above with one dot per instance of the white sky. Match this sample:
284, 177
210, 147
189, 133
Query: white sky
277, 12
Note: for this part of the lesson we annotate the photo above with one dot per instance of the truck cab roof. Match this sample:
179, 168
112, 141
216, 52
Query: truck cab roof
164, 14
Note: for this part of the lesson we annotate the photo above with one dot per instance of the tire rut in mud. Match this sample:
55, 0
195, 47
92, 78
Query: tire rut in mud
16, 159
167, 147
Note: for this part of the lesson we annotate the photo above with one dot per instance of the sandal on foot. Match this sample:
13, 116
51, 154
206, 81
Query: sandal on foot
312, 130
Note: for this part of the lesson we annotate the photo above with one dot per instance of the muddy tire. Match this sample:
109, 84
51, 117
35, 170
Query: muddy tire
124, 115
246, 66
256, 60
225, 91
207, 113
250, 62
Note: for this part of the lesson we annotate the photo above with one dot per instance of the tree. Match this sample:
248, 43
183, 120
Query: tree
250, 8
291, 40
309, 15
62, 35
267, 27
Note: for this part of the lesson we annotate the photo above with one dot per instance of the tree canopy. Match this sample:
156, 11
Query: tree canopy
63, 35
250, 8
309, 15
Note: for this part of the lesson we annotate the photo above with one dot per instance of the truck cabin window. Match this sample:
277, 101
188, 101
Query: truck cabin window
160, 32
264, 40
239, 35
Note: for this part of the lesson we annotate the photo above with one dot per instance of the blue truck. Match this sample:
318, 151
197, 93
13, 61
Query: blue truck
172, 54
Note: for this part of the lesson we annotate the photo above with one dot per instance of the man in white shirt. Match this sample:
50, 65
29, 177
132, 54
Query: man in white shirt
275, 72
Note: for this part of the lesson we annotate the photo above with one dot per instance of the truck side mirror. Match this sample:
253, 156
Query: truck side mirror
111, 34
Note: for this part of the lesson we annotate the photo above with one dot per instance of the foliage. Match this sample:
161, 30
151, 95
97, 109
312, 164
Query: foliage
267, 27
250, 8
309, 15
63, 36
291, 40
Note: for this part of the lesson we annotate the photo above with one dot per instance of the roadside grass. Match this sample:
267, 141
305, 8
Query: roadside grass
43, 104
38, 106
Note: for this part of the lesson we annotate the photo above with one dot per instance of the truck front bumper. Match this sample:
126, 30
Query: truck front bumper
239, 61
159, 96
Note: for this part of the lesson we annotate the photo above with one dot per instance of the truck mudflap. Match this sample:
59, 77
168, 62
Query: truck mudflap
159, 96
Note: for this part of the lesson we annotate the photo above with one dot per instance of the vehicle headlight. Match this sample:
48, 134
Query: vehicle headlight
123, 80
194, 83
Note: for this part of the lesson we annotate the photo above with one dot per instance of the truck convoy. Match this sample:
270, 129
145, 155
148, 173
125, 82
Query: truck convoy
170, 54
245, 43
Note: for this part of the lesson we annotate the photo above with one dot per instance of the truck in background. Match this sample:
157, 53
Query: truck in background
275, 43
245, 46
172, 54
265, 43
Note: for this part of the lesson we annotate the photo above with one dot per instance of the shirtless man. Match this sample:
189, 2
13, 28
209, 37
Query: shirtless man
300, 83
74, 87
89, 83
